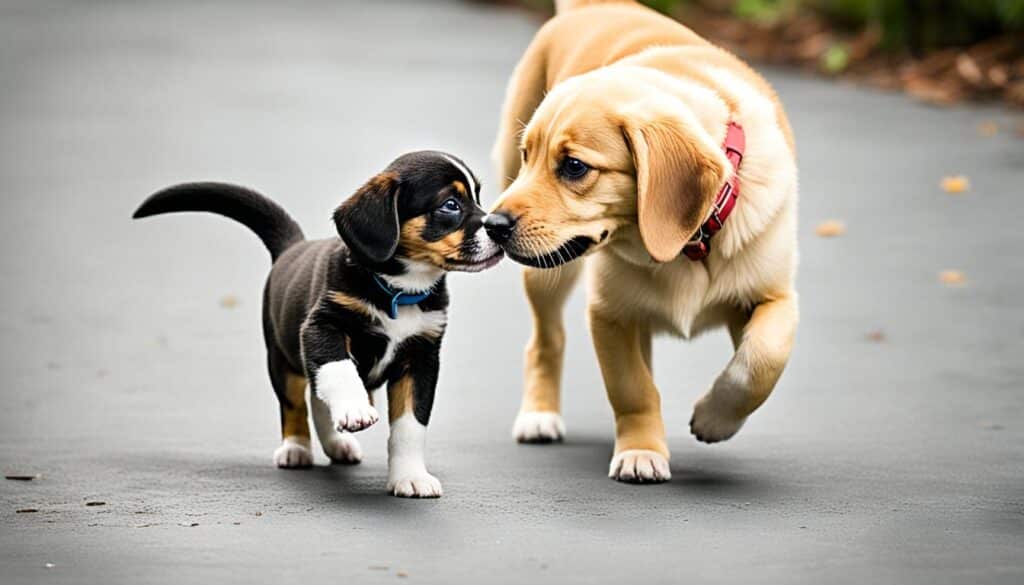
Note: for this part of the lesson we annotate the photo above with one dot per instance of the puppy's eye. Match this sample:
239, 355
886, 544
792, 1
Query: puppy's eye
450, 207
573, 168
522, 154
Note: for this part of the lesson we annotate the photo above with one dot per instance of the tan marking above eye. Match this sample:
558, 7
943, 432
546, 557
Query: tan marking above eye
460, 187
436, 253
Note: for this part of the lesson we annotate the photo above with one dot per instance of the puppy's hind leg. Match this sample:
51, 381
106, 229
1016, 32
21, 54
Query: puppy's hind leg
294, 451
540, 418
341, 447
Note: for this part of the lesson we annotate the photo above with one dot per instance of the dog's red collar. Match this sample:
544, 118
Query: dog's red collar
699, 245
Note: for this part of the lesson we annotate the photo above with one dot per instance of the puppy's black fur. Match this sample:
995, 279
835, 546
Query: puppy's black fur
326, 300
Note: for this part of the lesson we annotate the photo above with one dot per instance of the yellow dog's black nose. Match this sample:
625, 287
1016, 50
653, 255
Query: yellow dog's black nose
499, 226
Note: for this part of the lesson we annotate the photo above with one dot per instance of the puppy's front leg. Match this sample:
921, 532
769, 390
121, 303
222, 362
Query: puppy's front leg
623, 350
410, 400
334, 376
763, 345
540, 418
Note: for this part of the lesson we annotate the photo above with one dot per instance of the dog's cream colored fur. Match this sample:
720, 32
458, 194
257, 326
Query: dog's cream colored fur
645, 102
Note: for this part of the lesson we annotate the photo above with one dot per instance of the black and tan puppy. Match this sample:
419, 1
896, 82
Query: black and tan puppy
352, 314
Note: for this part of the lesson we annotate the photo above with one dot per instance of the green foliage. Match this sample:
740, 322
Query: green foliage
927, 23
835, 59
904, 24
1011, 13
759, 10
665, 6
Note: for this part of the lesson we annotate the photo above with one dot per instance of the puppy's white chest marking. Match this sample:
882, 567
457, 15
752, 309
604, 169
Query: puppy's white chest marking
411, 322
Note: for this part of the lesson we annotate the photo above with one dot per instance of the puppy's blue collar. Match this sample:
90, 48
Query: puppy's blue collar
399, 297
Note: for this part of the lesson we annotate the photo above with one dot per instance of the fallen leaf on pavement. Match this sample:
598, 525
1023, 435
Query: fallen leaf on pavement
402, 574
876, 336
955, 184
952, 277
988, 129
830, 229
229, 301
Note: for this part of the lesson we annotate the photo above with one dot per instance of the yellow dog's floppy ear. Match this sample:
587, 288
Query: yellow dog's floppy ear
368, 220
678, 174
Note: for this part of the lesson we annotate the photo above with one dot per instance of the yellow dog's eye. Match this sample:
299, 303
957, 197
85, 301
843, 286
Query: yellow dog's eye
573, 168
522, 153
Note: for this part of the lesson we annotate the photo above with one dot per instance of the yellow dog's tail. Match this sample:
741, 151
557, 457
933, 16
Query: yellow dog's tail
563, 6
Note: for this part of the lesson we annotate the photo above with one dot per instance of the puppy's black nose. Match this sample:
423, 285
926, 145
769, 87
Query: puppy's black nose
499, 226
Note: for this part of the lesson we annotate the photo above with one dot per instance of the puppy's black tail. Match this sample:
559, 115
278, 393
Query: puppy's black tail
270, 222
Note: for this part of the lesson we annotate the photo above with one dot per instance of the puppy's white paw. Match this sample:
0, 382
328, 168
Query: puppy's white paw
712, 422
538, 427
639, 466
353, 416
415, 485
293, 453
343, 448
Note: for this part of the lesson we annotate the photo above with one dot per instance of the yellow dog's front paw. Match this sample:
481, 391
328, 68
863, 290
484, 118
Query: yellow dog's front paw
639, 466
712, 422
538, 427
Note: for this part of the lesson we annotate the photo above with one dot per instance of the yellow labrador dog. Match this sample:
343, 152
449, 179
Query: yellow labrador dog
629, 140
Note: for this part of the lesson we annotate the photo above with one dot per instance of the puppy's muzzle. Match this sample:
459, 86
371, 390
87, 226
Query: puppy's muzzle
499, 226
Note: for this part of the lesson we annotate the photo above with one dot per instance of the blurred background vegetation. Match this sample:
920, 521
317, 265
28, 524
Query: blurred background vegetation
940, 51
913, 25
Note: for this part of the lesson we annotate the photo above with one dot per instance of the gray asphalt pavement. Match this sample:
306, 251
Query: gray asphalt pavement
126, 381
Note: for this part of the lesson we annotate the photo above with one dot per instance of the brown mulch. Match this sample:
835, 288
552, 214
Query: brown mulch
989, 70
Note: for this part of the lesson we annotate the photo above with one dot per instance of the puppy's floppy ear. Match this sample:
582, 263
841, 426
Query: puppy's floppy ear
368, 220
679, 172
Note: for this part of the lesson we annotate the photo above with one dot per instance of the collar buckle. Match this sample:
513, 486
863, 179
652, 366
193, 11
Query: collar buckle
699, 245
399, 297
